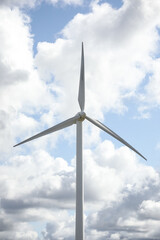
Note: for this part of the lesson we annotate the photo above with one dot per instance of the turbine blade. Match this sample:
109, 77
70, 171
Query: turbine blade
113, 134
81, 95
55, 128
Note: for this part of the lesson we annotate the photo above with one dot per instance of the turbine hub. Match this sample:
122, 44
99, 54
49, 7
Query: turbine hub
81, 115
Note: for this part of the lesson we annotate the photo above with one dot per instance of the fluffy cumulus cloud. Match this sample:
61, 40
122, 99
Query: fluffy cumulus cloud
21, 4
33, 3
67, 2
27, 193
21, 90
121, 194
121, 49
21, 106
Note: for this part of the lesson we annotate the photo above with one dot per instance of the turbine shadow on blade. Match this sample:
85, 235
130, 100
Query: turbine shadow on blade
78, 120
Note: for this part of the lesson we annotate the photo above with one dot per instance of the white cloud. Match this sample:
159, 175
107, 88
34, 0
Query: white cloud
152, 89
21, 90
38, 187
61, 227
16, 43
120, 192
10, 230
32, 187
68, 2
33, 3
117, 43
21, 4
150, 209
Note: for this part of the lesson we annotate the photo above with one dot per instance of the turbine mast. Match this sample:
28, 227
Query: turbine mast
79, 183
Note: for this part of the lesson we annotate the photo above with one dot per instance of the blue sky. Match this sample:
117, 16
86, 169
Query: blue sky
48, 21
39, 71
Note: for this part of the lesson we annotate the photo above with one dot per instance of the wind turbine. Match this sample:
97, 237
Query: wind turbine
78, 120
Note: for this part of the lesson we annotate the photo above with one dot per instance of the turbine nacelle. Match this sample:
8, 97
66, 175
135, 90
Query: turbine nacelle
81, 115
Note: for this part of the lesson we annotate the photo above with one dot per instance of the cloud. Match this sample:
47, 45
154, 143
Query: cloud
117, 43
149, 209
67, 2
117, 199
23, 198
123, 218
21, 89
61, 227
16, 42
20, 4
34, 3
125, 213
121, 194
152, 89
10, 230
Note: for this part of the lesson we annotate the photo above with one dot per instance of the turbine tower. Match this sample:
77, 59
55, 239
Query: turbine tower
78, 120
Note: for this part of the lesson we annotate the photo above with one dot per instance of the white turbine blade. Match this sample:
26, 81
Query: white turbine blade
113, 134
55, 128
81, 95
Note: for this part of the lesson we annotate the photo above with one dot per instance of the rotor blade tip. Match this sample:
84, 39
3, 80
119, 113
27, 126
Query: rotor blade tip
17, 144
143, 157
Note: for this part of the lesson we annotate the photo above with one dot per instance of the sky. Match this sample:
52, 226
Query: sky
40, 58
